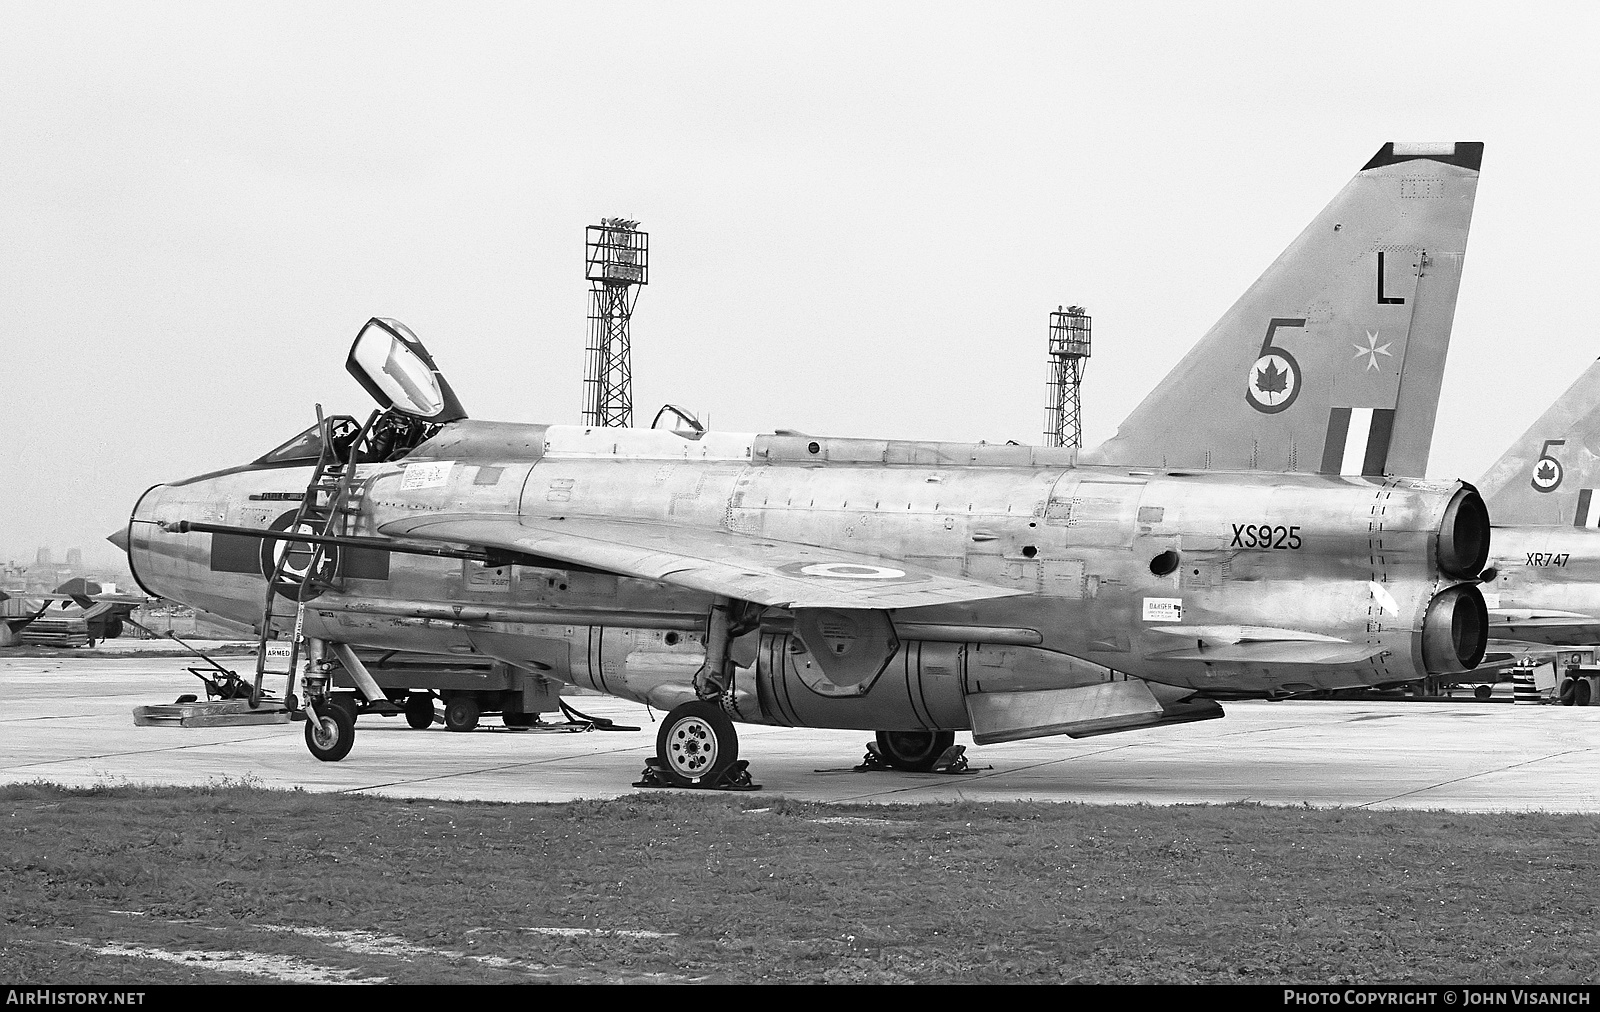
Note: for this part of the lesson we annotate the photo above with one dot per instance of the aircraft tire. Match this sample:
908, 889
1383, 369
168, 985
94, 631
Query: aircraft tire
419, 711
1568, 688
346, 701
1581, 696
520, 719
462, 713
696, 742
914, 751
330, 736
1482, 692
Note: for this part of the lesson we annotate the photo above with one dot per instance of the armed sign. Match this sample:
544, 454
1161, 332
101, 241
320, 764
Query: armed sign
1274, 379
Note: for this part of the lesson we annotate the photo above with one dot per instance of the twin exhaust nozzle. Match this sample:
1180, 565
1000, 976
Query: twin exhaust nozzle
1455, 628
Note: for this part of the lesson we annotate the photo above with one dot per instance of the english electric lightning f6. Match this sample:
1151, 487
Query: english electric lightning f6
1241, 535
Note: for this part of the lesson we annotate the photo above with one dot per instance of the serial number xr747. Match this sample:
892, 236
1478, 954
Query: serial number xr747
1548, 558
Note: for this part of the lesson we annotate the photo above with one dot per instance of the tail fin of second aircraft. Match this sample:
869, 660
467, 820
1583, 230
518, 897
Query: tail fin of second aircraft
1551, 474
1333, 359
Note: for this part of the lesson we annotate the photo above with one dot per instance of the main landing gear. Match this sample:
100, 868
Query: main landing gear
914, 751
697, 747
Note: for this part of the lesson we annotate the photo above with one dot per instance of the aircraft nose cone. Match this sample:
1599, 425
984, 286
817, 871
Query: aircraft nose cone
119, 537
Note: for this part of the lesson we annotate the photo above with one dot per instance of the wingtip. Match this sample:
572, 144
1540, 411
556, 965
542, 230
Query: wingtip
1466, 154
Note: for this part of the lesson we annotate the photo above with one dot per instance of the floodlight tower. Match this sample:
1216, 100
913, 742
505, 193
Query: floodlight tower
1069, 353
617, 262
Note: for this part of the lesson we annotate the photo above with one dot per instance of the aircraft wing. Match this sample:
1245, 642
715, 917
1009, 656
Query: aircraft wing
1538, 625
766, 571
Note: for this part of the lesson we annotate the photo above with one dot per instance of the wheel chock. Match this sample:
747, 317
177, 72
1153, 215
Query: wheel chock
735, 778
951, 762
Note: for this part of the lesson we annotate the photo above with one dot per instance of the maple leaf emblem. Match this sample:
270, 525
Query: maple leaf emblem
1272, 380
1546, 473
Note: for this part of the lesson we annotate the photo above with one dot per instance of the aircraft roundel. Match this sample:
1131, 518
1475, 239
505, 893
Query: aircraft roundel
292, 576
851, 571
1273, 382
1547, 474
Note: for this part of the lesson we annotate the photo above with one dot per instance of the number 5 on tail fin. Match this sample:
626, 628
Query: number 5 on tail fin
1551, 474
1333, 359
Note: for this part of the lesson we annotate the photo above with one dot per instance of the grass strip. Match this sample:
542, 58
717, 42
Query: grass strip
743, 888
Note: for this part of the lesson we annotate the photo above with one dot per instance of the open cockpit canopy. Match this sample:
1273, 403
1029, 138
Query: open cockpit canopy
394, 367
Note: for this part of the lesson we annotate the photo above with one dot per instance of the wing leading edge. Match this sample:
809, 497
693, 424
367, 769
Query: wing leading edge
762, 570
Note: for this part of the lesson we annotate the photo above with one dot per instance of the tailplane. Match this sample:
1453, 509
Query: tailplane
1332, 361
1551, 474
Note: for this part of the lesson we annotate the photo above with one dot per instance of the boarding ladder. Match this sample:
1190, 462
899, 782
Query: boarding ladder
330, 501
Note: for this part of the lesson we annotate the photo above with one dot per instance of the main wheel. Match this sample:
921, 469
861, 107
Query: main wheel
330, 736
419, 711
520, 719
1580, 693
915, 751
461, 713
696, 741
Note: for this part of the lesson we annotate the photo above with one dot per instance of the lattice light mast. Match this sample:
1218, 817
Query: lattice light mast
617, 262
1069, 354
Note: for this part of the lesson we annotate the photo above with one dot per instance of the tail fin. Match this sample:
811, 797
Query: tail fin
1332, 360
1551, 474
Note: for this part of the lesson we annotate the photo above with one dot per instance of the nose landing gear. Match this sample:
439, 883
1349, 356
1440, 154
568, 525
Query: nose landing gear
331, 732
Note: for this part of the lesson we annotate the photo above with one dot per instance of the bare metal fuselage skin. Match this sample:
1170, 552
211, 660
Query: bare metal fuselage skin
1547, 585
1352, 563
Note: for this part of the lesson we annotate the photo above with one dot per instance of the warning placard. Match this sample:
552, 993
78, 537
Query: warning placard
1163, 609
429, 475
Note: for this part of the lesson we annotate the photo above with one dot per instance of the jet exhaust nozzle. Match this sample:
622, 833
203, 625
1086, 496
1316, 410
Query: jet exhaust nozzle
1464, 535
1455, 631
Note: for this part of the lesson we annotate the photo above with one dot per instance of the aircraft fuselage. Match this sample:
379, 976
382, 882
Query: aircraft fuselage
1224, 582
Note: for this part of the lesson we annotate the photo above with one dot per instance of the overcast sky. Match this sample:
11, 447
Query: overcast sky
860, 214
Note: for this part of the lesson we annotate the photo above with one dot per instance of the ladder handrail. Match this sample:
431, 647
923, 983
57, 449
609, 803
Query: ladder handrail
337, 503
308, 504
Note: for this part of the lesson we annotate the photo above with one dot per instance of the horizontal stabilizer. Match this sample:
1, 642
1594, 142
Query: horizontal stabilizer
1529, 625
1228, 635
1536, 616
1261, 645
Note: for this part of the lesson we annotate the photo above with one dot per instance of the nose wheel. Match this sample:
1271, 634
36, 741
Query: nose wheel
331, 733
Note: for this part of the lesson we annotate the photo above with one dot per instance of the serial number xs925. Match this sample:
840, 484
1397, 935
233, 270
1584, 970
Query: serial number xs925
1266, 536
